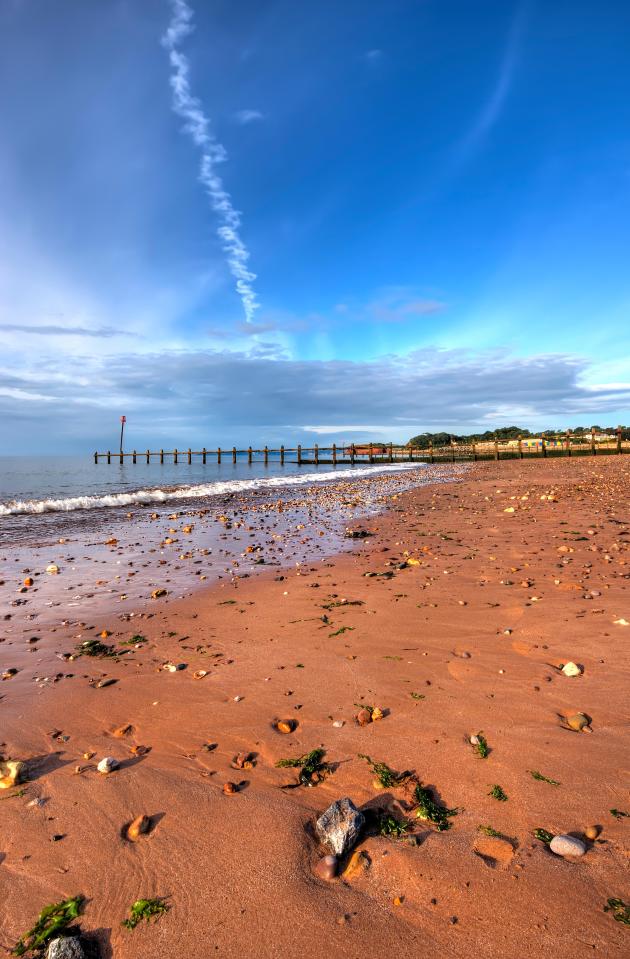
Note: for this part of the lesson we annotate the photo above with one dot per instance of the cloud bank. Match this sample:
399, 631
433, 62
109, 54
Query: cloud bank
182, 397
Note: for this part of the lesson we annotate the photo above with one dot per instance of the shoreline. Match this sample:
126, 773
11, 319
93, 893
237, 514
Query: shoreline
436, 628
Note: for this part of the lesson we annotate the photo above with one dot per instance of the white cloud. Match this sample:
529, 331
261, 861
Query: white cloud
248, 116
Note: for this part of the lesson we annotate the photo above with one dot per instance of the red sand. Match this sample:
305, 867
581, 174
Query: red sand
237, 870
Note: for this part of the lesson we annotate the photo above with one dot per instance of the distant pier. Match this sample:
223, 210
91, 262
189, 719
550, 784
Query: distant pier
360, 454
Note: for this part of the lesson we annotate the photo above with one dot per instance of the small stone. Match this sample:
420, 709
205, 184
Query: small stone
108, 765
286, 725
377, 714
326, 868
52, 568
578, 721
591, 832
65, 947
340, 825
567, 846
157, 593
364, 716
338, 723
571, 669
230, 789
139, 826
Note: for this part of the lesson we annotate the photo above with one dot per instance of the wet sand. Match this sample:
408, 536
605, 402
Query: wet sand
516, 569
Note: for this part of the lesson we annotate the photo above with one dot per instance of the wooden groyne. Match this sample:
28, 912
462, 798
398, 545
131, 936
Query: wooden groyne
355, 454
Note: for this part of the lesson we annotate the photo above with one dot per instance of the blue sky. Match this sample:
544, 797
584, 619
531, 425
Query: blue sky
434, 197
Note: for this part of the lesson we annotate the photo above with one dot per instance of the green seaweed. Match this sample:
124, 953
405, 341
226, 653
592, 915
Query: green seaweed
497, 793
310, 765
417, 695
619, 814
481, 746
432, 811
620, 911
94, 647
489, 831
543, 779
145, 909
340, 631
134, 641
386, 776
391, 827
543, 835
51, 920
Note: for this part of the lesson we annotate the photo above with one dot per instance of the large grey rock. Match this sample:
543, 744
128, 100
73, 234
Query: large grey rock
567, 846
66, 947
340, 825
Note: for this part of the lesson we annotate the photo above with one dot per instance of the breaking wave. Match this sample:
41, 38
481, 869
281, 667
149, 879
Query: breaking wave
143, 497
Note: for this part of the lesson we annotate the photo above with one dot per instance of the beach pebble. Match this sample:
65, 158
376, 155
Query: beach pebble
108, 765
591, 832
65, 947
326, 868
578, 721
364, 716
230, 789
571, 669
286, 725
567, 846
338, 723
340, 825
52, 568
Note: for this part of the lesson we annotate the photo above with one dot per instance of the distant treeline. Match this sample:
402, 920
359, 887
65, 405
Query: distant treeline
509, 433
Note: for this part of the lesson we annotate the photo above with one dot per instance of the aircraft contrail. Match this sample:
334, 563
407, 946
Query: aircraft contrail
197, 125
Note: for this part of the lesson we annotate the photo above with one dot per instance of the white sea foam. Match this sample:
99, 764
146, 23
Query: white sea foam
146, 496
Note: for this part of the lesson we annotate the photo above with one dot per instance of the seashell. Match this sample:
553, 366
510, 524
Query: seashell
376, 714
52, 568
139, 826
12, 772
123, 731
200, 673
157, 593
358, 861
230, 789
108, 765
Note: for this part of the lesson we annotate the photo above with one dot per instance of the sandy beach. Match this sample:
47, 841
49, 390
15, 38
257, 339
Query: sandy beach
455, 617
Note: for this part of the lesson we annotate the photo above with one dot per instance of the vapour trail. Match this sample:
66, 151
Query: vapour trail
197, 125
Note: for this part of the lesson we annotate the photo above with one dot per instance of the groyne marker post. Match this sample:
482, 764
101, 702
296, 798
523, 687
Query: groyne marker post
218, 455
299, 455
282, 455
234, 454
316, 454
334, 454
174, 456
249, 455
266, 456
